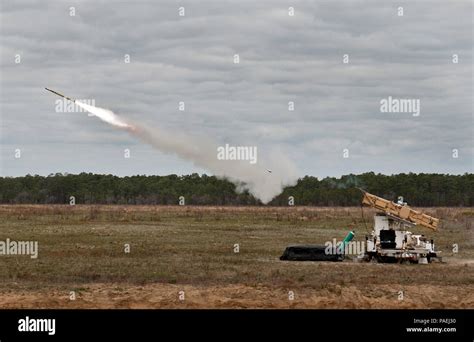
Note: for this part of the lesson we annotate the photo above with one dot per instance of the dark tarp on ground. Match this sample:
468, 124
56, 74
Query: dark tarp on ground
309, 253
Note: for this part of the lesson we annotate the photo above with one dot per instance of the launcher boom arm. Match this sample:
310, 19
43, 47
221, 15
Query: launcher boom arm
400, 211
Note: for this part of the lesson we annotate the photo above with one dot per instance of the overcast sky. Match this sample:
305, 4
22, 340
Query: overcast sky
282, 58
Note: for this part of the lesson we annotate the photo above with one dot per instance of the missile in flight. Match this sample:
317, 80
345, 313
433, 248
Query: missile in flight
59, 94
103, 114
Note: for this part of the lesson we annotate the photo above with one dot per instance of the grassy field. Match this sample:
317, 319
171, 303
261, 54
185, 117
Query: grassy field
184, 257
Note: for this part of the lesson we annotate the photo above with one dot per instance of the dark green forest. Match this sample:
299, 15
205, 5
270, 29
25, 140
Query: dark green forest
87, 188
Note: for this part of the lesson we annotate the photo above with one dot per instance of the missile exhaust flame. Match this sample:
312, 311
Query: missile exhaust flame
105, 115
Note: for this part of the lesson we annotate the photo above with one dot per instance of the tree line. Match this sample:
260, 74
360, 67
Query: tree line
87, 188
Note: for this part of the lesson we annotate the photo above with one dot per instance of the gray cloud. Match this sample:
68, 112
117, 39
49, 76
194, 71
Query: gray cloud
282, 59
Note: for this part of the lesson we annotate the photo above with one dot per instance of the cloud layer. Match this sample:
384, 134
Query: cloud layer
282, 58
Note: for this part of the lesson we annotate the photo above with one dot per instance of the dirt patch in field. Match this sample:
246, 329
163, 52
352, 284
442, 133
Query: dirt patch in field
241, 296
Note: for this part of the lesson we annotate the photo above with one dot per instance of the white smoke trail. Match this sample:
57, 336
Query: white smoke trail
203, 153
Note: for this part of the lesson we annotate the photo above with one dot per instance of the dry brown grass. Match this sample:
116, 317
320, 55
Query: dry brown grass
81, 248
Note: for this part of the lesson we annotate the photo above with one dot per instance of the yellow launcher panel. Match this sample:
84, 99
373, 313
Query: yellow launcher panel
400, 211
